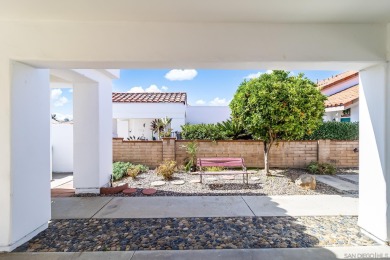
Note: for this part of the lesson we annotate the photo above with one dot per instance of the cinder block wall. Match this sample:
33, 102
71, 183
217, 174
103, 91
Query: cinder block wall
149, 153
295, 154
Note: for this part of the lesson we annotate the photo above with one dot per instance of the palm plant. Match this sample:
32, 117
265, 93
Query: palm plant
191, 149
233, 130
161, 127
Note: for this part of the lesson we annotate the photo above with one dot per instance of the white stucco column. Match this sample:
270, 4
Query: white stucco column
24, 153
374, 151
92, 113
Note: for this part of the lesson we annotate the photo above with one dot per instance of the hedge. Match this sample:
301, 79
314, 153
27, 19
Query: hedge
336, 131
202, 132
328, 130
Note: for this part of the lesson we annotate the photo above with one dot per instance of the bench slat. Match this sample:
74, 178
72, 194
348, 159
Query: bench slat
224, 173
222, 162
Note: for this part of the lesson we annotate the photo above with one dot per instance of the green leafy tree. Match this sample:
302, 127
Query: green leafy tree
278, 106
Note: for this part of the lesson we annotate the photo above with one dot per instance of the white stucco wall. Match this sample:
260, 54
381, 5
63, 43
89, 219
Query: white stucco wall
133, 116
374, 156
355, 113
62, 147
207, 114
114, 128
148, 110
27, 205
336, 112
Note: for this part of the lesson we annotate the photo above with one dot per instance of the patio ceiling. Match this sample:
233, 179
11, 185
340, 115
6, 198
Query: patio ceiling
259, 11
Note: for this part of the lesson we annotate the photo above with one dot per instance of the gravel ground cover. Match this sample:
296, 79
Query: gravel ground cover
196, 233
281, 183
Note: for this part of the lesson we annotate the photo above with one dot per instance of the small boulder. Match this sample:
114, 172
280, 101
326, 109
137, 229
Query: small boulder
306, 181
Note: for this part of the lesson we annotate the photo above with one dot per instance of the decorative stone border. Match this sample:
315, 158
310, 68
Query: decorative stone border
114, 190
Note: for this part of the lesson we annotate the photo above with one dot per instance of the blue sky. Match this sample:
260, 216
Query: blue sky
203, 87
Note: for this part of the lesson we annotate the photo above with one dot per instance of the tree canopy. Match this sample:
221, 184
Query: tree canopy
278, 106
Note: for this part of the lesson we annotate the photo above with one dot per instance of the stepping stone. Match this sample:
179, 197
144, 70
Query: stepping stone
158, 183
211, 179
351, 177
129, 191
337, 183
178, 182
150, 191
229, 177
195, 181
255, 178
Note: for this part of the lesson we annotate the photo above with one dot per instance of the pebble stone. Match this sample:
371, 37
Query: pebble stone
228, 177
77, 235
178, 182
282, 182
158, 183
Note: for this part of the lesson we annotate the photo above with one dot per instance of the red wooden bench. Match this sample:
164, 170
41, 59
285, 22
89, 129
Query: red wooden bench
223, 162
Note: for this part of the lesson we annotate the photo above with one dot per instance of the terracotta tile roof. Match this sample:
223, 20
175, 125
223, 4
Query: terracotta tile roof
343, 98
336, 79
147, 97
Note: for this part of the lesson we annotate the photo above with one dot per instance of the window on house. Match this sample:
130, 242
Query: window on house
346, 113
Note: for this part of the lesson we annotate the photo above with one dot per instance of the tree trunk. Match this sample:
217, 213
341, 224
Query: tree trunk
266, 164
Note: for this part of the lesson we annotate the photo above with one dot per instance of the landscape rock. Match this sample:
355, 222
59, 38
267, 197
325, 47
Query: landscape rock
158, 183
228, 177
306, 181
178, 182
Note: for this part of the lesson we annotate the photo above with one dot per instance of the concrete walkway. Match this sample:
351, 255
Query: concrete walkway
206, 206
62, 185
365, 252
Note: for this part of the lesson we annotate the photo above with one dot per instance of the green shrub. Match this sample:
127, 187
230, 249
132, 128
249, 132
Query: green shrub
141, 168
321, 168
133, 172
335, 131
119, 170
228, 130
166, 169
202, 132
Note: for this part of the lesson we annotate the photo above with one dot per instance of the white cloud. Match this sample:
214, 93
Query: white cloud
256, 75
181, 74
60, 101
56, 93
136, 90
151, 88
219, 102
253, 75
200, 102
71, 90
